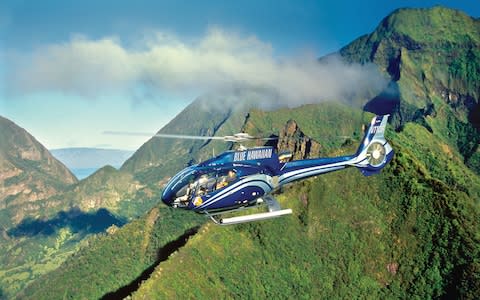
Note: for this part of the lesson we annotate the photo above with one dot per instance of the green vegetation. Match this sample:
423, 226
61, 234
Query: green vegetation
35, 247
411, 231
317, 121
433, 56
39, 244
41, 224
401, 234
109, 261
434, 25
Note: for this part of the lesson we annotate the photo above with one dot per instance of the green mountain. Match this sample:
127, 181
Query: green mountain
29, 173
65, 223
412, 231
45, 212
404, 232
433, 59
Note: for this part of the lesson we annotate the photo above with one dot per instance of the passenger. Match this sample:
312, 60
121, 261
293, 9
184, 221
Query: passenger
222, 183
203, 179
225, 180
231, 176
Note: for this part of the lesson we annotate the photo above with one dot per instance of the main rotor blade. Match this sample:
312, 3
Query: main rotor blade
188, 137
265, 139
130, 133
162, 135
229, 138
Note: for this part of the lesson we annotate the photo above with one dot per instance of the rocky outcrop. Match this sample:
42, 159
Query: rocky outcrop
292, 139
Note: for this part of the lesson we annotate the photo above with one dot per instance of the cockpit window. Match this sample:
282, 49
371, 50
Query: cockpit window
182, 192
187, 184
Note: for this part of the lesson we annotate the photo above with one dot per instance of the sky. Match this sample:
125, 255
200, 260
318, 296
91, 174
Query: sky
71, 70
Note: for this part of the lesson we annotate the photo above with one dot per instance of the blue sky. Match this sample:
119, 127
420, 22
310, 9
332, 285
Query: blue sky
67, 106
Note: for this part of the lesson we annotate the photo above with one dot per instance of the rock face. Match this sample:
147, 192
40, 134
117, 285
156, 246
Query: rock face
28, 172
293, 140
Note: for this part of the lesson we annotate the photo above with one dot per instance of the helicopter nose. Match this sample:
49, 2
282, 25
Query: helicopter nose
167, 198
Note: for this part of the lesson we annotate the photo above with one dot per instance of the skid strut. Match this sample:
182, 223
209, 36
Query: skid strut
274, 211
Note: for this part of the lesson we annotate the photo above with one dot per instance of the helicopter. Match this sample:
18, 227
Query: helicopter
246, 178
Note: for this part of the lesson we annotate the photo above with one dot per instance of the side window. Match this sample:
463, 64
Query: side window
225, 177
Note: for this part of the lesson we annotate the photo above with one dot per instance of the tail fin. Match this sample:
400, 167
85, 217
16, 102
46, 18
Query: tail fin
374, 151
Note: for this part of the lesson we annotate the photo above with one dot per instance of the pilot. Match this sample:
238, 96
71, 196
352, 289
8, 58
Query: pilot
185, 198
202, 189
203, 179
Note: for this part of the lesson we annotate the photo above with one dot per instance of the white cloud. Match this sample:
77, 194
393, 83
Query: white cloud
218, 60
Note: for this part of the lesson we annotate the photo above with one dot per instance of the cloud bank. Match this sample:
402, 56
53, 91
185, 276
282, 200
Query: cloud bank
219, 60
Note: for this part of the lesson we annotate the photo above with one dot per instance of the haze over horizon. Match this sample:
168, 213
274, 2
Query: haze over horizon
68, 72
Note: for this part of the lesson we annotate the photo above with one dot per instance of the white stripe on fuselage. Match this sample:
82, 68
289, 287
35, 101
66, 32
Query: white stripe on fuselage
310, 173
306, 170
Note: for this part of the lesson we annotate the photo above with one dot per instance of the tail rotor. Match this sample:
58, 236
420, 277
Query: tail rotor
374, 151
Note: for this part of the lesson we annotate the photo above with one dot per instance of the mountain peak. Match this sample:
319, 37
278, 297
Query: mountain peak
433, 24
432, 57
28, 172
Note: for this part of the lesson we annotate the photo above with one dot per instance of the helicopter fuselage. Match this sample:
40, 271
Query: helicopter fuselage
230, 180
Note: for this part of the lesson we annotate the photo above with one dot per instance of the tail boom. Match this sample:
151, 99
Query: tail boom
372, 155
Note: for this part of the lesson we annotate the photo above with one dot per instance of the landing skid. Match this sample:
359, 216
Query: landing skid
274, 211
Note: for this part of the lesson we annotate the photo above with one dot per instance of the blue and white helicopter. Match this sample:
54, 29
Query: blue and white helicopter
245, 178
